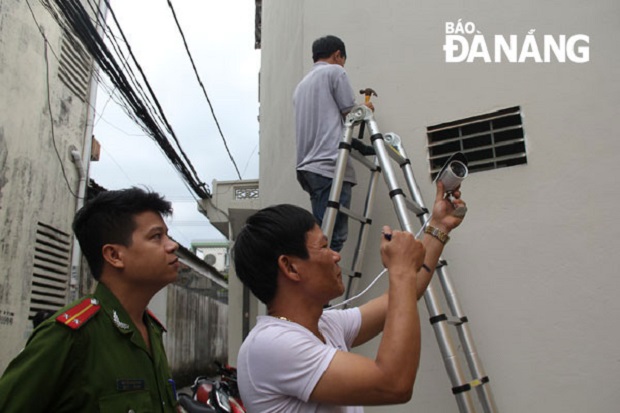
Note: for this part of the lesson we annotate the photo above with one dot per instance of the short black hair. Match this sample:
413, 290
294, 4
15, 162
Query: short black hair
268, 234
108, 218
324, 47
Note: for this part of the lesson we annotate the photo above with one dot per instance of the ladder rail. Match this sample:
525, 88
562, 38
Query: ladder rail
358, 257
331, 212
354, 118
447, 350
440, 326
395, 192
389, 148
465, 336
469, 348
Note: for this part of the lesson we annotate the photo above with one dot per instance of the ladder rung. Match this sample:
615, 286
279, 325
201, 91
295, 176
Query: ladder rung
412, 206
468, 386
350, 273
363, 160
388, 150
354, 215
457, 321
395, 155
453, 320
415, 208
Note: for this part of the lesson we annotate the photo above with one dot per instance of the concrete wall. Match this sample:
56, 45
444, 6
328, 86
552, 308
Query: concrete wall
197, 333
32, 186
533, 262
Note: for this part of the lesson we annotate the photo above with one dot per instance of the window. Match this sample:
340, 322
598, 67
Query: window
491, 141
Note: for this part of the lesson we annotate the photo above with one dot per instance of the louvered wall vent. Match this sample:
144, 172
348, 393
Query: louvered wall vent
75, 64
491, 141
50, 278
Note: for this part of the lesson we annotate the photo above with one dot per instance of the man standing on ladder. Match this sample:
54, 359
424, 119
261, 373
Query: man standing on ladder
322, 99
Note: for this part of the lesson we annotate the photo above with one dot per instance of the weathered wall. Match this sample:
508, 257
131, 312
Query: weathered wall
197, 333
533, 263
32, 185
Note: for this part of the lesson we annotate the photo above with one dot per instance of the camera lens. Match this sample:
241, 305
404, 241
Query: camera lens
459, 169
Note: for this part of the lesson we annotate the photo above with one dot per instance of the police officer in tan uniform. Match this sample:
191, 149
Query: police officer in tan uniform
104, 353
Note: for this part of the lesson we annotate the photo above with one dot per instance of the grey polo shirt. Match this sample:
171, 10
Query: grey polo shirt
319, 100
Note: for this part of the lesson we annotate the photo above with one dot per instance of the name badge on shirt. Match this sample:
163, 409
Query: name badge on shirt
130, 384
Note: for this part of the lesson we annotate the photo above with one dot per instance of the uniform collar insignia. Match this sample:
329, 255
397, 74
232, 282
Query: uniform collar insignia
119, 323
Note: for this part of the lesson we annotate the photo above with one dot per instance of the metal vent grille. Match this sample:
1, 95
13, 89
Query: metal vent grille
491, 141
50, 278
75, 64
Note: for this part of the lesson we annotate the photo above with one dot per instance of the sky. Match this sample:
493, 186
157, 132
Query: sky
220, 37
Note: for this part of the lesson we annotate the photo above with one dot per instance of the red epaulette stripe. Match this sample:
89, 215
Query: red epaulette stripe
150, 313
75, 317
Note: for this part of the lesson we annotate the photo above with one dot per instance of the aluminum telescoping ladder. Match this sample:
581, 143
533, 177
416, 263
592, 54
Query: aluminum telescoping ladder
388, 148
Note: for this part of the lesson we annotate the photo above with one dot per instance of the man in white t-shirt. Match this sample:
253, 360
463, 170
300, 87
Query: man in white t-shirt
296, 358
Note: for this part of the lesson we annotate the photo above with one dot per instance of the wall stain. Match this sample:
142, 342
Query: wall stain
65, 111
3, 157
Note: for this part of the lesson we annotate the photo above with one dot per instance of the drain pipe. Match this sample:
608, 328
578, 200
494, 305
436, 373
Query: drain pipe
76, 252
82, 164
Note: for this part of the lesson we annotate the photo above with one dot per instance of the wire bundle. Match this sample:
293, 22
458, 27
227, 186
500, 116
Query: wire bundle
140, 105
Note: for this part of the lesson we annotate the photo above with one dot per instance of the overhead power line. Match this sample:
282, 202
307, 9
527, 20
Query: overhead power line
203, 88
143, 106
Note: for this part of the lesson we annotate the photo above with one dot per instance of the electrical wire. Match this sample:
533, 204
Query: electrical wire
217, 123
249, 159
360, 294
148, 85
49, 107
417, 236
49, 102
142, 107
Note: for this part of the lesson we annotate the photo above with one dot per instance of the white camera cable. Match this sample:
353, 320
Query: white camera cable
360, 294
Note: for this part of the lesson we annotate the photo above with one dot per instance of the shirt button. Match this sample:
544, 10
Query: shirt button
131, 411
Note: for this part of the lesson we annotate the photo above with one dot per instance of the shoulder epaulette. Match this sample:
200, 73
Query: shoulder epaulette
159, 323
76, 316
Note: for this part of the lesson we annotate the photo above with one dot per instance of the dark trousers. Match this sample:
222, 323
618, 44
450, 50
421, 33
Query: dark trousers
319, 188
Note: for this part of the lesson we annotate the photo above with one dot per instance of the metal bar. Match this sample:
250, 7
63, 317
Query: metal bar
517, 111
475, 365
433, 306
358, 257
390, 147
474, 135
331, 212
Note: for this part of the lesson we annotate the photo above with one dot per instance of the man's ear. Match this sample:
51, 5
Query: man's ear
288, 267
113, 255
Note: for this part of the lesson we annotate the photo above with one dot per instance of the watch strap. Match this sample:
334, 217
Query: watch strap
437, 233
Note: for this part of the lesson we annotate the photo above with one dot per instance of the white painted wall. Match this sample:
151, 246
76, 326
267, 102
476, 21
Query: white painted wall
533, 263
32, 186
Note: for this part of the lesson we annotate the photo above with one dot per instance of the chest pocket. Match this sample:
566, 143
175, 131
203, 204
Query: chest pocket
127, 402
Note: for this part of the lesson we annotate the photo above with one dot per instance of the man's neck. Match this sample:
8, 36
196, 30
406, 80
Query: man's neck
298, 312
329, 60
134, 300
